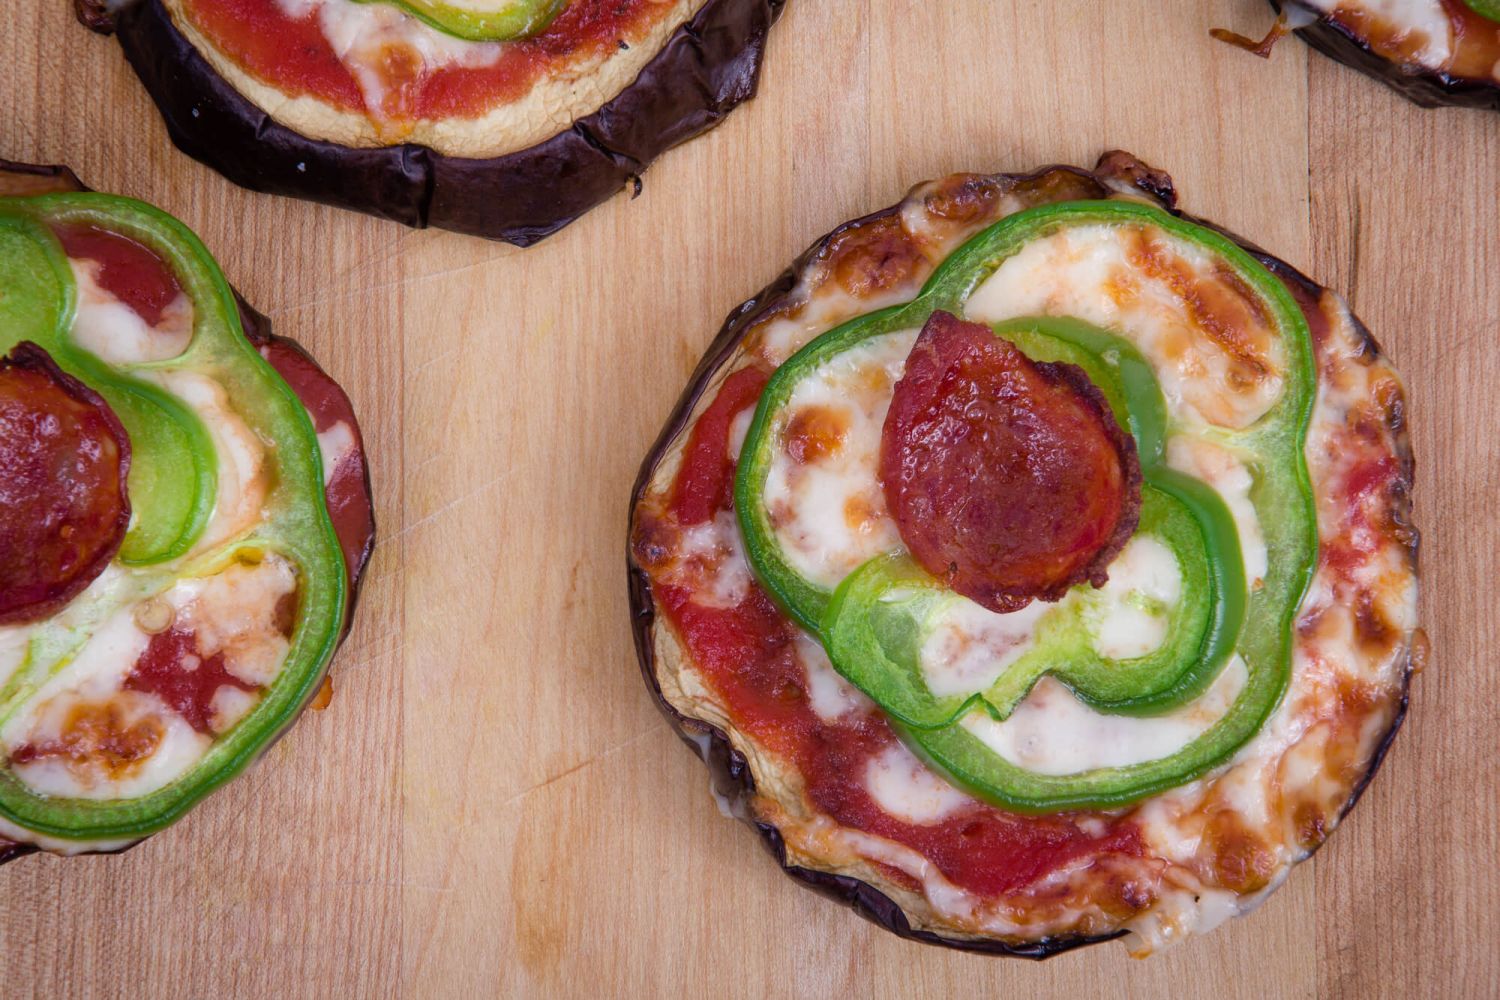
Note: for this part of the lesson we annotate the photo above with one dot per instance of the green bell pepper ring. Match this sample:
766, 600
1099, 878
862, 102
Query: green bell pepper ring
878, 615
1485, 8
174, 500
493, 22
805, 600
173, 458
1281, 495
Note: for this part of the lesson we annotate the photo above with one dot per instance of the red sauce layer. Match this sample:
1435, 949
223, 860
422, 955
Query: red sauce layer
130, 271
171, 669
350, 506
292, 55
747, 654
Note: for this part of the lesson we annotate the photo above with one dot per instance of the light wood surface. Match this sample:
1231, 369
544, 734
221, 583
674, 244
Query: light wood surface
492, 805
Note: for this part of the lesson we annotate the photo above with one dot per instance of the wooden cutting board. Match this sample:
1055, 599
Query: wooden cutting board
492, 805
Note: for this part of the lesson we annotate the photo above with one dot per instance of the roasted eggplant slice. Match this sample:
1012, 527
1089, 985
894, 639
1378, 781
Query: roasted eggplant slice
1033, 565
188, 514
366, 106
1435, 52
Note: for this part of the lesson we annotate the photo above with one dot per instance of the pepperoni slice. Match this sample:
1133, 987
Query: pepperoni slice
63, 461
1008, 479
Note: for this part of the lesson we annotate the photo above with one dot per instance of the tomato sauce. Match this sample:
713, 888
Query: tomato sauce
291, 54
171, 669
130, 271
747, 654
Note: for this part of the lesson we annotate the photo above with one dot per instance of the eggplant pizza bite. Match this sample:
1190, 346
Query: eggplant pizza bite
501, 118
1433, 51
1033, 563
186, 517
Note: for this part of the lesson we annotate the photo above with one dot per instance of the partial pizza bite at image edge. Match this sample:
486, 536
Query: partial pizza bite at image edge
347, 489
878, 261
706, 67
1428, 86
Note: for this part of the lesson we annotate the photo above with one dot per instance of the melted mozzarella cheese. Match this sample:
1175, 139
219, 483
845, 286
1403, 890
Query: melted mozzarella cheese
1218, 467
828, 512
715, 553
112, 331
1052, 732
907, 789
234, 613
241, 456
971, 646
1086, 271
334, 445
1422, 27
177, 749
1131, 612
92, 675
830, 696
364, 35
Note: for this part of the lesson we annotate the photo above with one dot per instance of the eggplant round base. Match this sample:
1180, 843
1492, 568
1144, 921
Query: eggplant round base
707, 66
733, 782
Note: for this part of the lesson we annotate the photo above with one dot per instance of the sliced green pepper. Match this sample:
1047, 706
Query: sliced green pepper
173, 498
874, 625
1485, 8
485, 20
173, 459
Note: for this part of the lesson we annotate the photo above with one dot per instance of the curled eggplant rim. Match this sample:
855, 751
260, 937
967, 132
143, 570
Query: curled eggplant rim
729, 770
1427, 88
56, 177
708, 66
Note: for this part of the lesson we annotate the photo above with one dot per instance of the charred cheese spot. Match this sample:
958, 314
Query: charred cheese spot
1236, 856
98, 739
875, 257
1311, 825
964, 198
652, 542
861, 515
1220, 304
1215, 351
1375, 634
815, 432
1124, 890
1054, 186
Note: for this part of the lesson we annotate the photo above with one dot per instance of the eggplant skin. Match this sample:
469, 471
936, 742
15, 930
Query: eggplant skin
707, 67
25, 179
1423, 87
732, 780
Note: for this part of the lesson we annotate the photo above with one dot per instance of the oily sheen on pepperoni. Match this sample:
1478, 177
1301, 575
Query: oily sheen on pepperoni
1009, 479
64, 458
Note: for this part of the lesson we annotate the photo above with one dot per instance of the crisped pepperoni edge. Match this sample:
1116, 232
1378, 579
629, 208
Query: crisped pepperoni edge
27, 179
32, 357
729, 770
1076, 379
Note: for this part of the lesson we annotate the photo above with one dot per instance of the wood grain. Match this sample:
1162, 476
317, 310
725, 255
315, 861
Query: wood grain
491, 805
